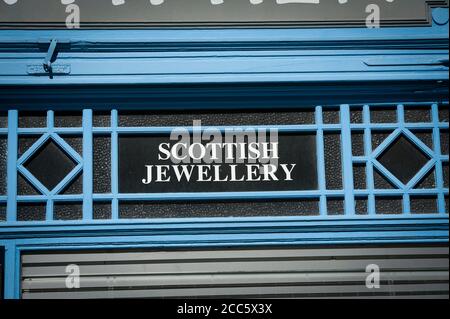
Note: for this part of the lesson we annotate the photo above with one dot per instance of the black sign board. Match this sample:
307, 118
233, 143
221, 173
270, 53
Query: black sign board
204, 13
146, 165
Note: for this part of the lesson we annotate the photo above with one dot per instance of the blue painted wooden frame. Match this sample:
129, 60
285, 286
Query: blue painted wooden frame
175, 232
17, 237
235, 55
348, 192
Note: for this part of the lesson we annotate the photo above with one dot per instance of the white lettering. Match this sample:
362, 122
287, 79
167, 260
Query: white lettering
161, 173
185, 171
288, 171
164, 151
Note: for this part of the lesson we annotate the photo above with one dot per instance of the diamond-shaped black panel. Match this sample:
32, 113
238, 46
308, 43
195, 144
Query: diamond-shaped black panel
403, 159
50, 164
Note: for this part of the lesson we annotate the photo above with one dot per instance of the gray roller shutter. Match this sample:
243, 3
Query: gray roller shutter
272, 272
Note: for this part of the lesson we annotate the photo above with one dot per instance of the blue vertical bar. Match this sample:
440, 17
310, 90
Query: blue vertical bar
87, 166
50, 121
50, 128
401, 124
49, 210
321, 161
12, 265
401, 116
114, 164
17, 273
437, 157
347, 160
371, 210
13, 123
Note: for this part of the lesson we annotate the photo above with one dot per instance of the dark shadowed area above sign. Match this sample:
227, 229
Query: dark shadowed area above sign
212, 13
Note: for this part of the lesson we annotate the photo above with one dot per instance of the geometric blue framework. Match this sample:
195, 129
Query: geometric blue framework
400, 55
178, 232
34, 181
345, 128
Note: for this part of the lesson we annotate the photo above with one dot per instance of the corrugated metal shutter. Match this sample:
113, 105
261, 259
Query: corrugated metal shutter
406, 271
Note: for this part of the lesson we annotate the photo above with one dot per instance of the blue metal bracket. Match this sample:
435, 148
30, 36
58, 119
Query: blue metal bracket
48, 67
49, 56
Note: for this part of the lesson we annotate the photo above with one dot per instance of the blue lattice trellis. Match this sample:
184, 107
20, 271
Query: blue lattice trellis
345, 127
404, 129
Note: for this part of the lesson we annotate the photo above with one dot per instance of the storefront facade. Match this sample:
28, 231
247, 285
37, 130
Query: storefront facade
82, 113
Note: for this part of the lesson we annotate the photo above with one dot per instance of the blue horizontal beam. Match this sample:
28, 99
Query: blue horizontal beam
221, 224
286, 128
225, 76
241, 195
241, 35
231, 55
210, 229
199, 240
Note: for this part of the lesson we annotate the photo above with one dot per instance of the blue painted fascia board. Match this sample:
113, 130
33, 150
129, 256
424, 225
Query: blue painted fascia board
225, 231
231, 67
413, 233
199, 56
229, 36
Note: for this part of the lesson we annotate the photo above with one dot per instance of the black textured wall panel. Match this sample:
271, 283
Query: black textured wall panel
305, 207
102, 164
219, 118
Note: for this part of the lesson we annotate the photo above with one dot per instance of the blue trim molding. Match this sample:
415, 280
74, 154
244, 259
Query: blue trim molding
228, 55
